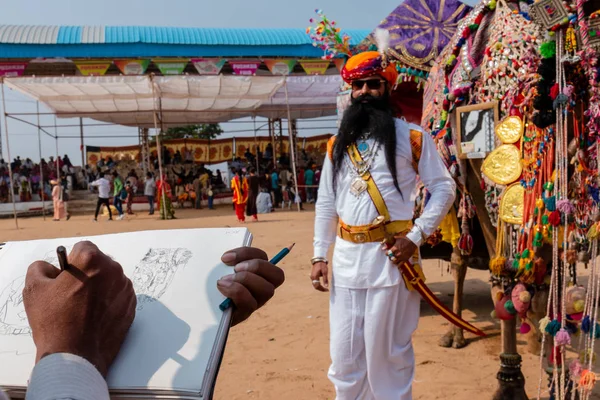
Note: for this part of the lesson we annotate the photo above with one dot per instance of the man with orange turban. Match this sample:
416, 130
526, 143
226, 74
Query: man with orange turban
366, 196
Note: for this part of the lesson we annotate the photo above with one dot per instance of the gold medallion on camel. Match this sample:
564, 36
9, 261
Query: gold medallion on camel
503, 165
512, 204
510, 130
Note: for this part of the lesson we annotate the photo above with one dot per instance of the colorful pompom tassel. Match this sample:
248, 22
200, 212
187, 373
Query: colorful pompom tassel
562, 338
588, 380
575, 368
510, 307
554, 218
592, 232
565, 206
497, 265
553, 328
586, 324
465, 244
525, 328
544, 324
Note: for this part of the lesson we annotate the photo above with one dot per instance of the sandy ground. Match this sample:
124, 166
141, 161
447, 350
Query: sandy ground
282, 352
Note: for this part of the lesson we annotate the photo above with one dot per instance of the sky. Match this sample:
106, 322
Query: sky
349, 14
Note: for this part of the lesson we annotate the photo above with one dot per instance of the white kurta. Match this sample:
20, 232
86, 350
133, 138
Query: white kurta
362, 266
372, 314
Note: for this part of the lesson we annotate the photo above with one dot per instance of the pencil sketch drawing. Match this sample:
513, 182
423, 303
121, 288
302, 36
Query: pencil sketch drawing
155, 272
13, 320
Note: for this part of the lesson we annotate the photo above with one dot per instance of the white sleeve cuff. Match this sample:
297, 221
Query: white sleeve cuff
415, 236
66, 376
320, 251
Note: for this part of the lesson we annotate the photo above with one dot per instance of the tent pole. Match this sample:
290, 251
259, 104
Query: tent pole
256, 145
82, 144
57, 164
292, 143
158, 150
42, 192
12, 187
272, 134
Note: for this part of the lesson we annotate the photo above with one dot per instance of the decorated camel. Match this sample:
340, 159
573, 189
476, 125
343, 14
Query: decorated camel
513, 103
514, 106
515, 112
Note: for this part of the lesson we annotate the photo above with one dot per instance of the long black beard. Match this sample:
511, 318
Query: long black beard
367, 114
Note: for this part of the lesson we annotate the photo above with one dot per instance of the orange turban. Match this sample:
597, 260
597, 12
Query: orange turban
366, 64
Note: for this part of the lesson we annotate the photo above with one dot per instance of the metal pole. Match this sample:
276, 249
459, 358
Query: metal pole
272, 134
42, 193
292, 143
57, 164
144, 138
158, 148
256, 146
82, 148
12, 187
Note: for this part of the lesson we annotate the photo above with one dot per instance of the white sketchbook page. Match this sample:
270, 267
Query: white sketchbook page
170, 341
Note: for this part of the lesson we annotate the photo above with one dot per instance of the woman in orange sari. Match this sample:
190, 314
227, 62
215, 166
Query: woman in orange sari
239, 186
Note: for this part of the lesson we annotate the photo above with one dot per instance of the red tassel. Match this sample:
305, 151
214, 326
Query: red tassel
554, 91
554, 218
466, 33
482, 184
479, 19
465, 244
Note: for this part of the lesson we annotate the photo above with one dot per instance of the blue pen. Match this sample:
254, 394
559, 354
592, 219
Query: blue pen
280, 256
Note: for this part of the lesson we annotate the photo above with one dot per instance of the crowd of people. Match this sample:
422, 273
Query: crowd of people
258, 182
27, 178
273, 185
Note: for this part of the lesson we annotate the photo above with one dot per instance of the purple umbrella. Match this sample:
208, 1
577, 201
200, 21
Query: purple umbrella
420, 29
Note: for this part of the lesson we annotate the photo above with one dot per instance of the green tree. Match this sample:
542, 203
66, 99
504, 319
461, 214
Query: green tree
202, 131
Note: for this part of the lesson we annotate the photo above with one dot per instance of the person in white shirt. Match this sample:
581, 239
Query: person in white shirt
103, 195
78, 325
363, 199
150, 191
264, 205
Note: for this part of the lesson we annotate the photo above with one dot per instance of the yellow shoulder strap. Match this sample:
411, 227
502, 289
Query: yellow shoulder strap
371, 185
416, 147
330, 144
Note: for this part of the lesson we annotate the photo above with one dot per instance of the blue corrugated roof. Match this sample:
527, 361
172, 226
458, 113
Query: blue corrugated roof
21, 34
17, 41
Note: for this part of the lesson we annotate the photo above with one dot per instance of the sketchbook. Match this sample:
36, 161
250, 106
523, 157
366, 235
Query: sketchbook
175, 344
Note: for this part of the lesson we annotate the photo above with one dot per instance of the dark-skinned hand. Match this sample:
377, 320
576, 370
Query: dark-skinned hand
403, 249
319, 273
86, 310
253, 283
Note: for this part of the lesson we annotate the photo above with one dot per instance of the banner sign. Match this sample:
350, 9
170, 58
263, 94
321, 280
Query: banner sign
244, 67
213, 151
93, 68
315, 67
339, 63
12, 69
208, 66
132, 67
169, 66
280, 67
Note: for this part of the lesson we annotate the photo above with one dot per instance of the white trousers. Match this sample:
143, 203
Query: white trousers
371, 342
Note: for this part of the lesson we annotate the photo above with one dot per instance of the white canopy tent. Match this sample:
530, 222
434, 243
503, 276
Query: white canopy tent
149, 101
182, 99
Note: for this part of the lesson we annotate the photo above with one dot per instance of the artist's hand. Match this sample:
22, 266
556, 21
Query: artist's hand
403, 249
86, 310
253, 283
320, 271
